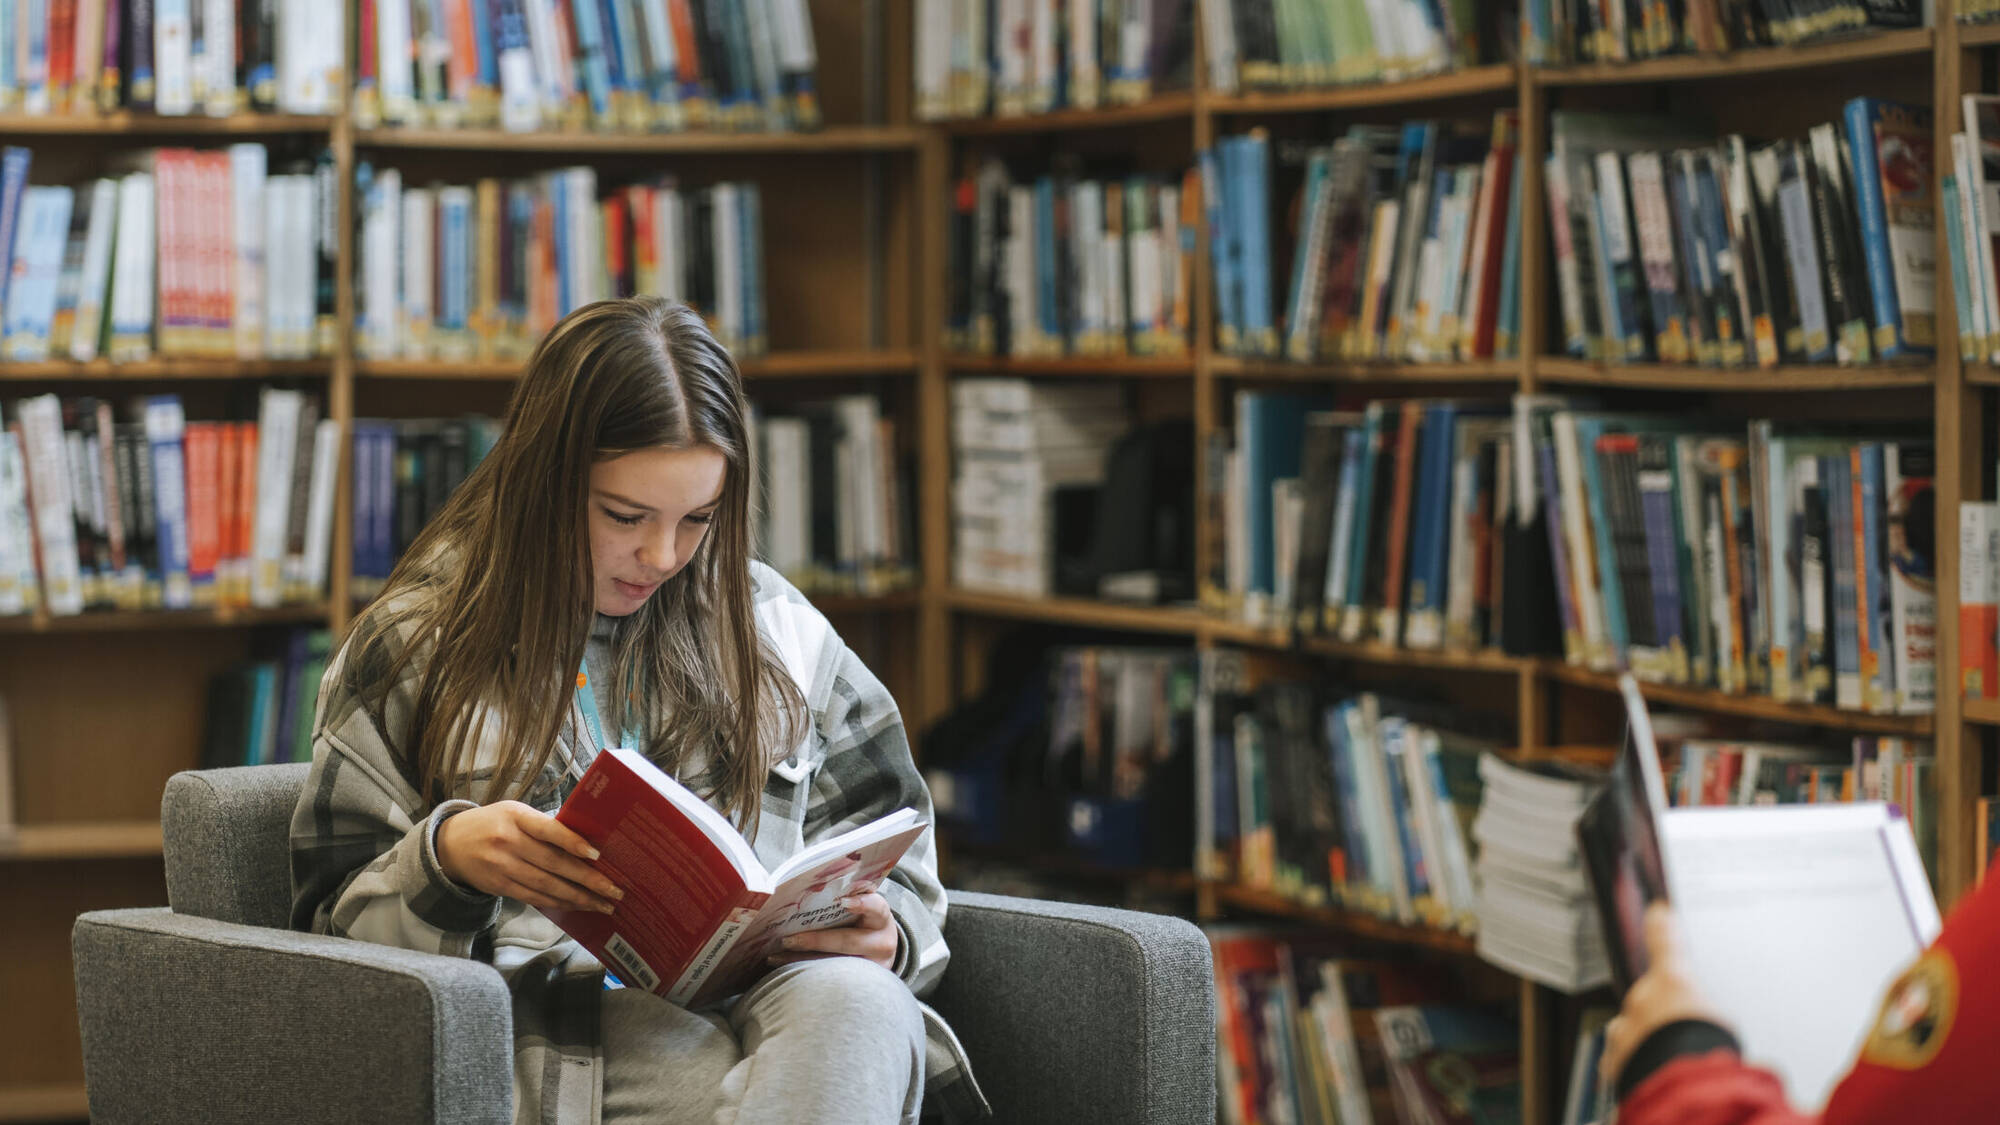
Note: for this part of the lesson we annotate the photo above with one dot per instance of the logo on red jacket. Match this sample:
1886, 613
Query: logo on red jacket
1916, 1014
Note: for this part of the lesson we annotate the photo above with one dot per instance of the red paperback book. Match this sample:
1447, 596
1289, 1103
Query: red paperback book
701, 914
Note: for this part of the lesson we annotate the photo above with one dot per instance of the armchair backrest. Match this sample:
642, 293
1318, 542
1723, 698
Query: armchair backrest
228, 847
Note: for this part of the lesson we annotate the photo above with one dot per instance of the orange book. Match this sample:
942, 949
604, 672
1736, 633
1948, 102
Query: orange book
1978, 598
230, 491
461, 67
701, 915
617, 247
62, 52
645, 255
204, 507
246, 507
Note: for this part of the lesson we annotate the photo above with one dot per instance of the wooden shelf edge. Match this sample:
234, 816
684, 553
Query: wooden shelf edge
1077, 611
1687, 377
1360, 925
894, 601
1984, 34
46, 370
841, 138
1475, 371
1984, 374
1470, 82
1088, 366
776, 365
1984, 711
1162, 107
103, 840
99, 621
1749, 706
1171, 880
151, 124
1759, 60
66, 1101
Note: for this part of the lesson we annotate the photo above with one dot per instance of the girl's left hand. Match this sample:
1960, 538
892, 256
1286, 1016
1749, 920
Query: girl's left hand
872, 937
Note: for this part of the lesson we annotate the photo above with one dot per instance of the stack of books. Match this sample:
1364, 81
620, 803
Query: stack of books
1536, 917
1011, 57
1018, 445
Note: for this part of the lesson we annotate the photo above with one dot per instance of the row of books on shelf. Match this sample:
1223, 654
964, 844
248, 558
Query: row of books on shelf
1007, 58
1329, 801
1967, 196
183, 253
835, 512
1310, 1032
1406, 244
1978, 11
212, 57
260, 711
833, 516
484, 270
1979, 599
1070, 264
1790, 559
144, 509
1557, 31
622, 65
1671, 246
1292, 44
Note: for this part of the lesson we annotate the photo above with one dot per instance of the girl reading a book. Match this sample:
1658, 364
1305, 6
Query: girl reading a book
589, 585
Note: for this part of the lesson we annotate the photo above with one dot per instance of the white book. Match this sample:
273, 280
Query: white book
277, 219
670, 249
933, 61
31, 294
20, 585
584, 266
277, 441
173, 59
764, 60
51, 494
661, 84
319, 510
797, 53
314, 71
132, 282
394, 74
728, 261
788, 497
1218, 33
419, 250
551, 73
381, 337
520, 90
219, 56
96, 275
247, 166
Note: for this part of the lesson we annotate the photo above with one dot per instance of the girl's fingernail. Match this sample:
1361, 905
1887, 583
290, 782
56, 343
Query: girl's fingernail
591, 853
853, 903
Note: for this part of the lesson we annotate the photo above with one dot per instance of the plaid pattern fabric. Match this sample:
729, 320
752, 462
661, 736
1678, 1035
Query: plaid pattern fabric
364, 862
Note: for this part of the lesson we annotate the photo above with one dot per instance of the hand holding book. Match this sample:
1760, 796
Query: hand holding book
513, 849
873, 936
1663, 995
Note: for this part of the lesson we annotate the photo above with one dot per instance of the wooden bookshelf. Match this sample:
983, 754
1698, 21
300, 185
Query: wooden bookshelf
127, 124
1274, 370
103, 621
1912, 45
62, 1102
777, 365
862, 139
81, 841
1474, 82
1978, 34
1274, 905
1109, 366
163, 369
1983, 375
1161, 107
1749, 705
1080, 612
1985, 712
1690, 377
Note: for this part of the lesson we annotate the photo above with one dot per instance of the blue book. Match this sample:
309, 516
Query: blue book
1880, 216
1353, 455
1697, 280
593, 65
1271, 428
1837, 475
1873, 571
485, 65
259, 740
1254, 216
1663, 536
1507, 324
1374, 421
750, 211
1341, 752
1221, 249
1048, 323
14, 162
1393, 737
1611, 596
166, 428
455, 264
557, 186
1720, 260
736, 40
1430, 527
1954, 236
1298, 345
361, 514
615, 38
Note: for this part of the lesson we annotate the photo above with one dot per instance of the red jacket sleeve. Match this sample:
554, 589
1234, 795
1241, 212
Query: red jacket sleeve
1712, 1089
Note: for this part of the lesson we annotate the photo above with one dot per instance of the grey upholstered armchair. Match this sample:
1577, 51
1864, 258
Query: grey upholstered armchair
211, 1011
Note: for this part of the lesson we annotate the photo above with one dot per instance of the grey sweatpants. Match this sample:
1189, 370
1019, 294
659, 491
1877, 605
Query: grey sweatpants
838, 1039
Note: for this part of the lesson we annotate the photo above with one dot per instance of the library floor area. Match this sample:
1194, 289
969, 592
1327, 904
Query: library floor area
1323, 507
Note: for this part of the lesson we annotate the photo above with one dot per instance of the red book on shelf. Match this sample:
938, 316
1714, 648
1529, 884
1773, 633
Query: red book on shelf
204, 504
701, 913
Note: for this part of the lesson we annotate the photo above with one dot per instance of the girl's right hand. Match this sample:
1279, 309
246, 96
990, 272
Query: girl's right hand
513, 849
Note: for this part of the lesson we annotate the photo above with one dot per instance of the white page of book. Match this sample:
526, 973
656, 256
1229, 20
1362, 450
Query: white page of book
1794, 921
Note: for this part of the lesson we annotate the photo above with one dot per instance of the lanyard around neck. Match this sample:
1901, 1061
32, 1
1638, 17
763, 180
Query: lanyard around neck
586, 701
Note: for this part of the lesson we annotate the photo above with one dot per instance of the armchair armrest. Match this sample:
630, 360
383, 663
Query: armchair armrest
187, 1019
1081, 1013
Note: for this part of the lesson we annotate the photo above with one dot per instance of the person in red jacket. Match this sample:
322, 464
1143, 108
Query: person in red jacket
1930, 1056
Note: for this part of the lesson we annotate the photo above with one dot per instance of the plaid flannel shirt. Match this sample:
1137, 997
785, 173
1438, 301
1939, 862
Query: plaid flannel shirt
364, 860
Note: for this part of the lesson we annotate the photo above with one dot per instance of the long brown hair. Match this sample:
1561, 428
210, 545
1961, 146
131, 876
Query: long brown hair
500, 580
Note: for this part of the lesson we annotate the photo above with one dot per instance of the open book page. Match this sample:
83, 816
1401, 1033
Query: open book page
1795, 919
809, 898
